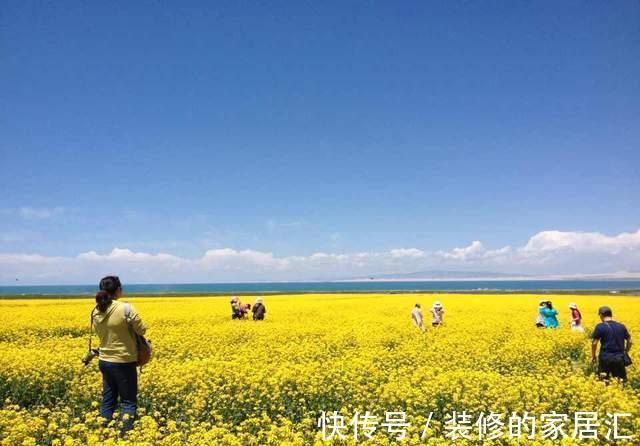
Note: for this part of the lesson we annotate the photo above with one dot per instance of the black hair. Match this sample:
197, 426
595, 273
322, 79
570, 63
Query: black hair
103, 300
605, 312
549, 305
109, 286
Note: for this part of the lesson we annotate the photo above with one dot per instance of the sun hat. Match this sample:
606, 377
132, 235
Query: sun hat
437, 304
234, 299
259, 300
573, 305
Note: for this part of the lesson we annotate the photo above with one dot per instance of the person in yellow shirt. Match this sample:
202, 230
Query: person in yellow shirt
115, 323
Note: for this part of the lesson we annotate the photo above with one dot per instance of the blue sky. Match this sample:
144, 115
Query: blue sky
297, 128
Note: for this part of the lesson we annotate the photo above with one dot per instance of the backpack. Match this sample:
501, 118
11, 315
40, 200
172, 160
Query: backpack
624, 356
143, 344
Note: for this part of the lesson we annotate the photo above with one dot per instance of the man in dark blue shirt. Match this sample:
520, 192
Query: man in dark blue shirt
612, 336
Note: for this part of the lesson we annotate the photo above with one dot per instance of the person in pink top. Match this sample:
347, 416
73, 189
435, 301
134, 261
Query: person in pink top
576, 318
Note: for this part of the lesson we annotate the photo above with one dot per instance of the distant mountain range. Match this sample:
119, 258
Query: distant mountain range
443, 275
488, 275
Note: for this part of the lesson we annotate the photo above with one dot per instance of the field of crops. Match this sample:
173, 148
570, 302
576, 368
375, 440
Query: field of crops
217, 381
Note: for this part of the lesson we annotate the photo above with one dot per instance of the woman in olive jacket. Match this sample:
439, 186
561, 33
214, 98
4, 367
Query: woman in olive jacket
118, 351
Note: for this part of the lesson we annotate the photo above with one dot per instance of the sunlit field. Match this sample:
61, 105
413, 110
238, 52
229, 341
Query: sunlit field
216, 381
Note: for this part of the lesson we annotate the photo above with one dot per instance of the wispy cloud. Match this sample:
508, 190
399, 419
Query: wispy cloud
550, 252
11, 237
273, 224
30, 213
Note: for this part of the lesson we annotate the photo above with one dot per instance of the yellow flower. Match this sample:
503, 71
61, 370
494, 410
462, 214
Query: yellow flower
218, 381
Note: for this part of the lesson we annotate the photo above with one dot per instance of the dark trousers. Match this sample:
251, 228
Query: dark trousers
119, 381
608, 368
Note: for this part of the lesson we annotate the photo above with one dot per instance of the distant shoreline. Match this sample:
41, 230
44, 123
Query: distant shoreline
493, 279
578, 292
627, 287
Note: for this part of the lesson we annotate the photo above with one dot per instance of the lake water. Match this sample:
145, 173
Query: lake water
229, 288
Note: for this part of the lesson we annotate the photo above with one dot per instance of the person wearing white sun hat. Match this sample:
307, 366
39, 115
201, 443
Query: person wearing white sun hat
437, 313
259, 310
576, 318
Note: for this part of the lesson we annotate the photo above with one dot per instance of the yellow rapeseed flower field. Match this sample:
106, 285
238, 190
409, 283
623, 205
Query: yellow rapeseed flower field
214, 381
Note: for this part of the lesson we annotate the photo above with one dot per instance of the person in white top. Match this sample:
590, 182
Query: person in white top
540, 319
416, 315
437, 313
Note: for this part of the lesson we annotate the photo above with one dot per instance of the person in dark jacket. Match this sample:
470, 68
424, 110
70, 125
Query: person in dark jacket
259, 310
615, 342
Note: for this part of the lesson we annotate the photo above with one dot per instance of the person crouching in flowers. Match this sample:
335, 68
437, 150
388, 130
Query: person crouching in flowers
540, 318
118, 351
576, 318
437, 314
244, 310
550, 315
259, 310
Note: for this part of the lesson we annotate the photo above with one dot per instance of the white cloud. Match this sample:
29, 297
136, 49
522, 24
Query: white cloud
474, 252
547, 252
126, 255
231, 259
546, 241
399, 253
467, 253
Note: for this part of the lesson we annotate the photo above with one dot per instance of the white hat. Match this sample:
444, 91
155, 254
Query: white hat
234, 299
259, 300
437, 304
573, 305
